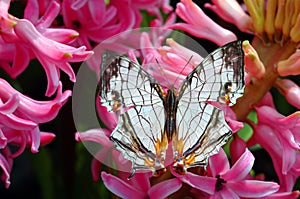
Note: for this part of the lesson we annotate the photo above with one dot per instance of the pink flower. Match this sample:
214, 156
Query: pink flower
200, 25
19, 120
273, 129
226, 182
232, 12
139, 186
290, 90
24, 42
103, 156
51, 54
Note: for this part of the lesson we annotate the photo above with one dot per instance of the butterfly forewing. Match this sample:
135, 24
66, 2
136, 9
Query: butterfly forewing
219, 77
126, 87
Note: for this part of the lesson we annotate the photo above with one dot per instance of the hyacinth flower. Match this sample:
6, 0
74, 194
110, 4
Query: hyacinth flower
96, 21
225, 182
19, 124
28, 41
22, 40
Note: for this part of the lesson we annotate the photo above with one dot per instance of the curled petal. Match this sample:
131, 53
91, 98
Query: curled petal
200, 25
95, 135
10, 105
290, 90
232, 12
6, 167
184, 52
291, 66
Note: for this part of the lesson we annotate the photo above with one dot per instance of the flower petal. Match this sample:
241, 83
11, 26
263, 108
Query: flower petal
165, 188
241, 168
253, 188
206, 184
120, 188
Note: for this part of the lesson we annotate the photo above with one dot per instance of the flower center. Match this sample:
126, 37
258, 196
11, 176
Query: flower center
219, 184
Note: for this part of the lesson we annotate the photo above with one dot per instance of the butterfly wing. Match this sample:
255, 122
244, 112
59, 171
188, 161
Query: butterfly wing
201, 127
219, 78
126, 88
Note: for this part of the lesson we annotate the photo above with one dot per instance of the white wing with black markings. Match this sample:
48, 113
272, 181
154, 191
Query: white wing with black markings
126, 87
201, 127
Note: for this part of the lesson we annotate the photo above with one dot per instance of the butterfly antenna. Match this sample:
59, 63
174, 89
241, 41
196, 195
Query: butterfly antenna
183, 69
162, 72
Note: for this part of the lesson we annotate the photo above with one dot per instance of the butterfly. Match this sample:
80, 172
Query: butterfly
151, 118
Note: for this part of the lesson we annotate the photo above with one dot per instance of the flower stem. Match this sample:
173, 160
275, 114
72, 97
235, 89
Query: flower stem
270, 55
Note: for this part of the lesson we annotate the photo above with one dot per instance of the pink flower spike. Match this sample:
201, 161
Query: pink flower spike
290, 90
232, 12
200, 25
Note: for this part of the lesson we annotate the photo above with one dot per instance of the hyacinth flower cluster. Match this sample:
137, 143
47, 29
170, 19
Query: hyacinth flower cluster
56, 34
270, 57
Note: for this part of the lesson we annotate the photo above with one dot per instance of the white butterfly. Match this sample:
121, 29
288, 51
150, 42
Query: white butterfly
151, 119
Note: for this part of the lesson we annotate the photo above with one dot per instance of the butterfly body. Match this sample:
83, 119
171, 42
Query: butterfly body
151, 119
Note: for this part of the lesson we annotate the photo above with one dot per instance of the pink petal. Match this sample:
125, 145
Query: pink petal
284, 195
46, 138
31, 11
206, 184
141, 181
3, 140
165, 188
218, 163
5, 170
49, 15
10, 105
241, 168
96, 168
61, 35
253, 188
120, 188
94, 135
